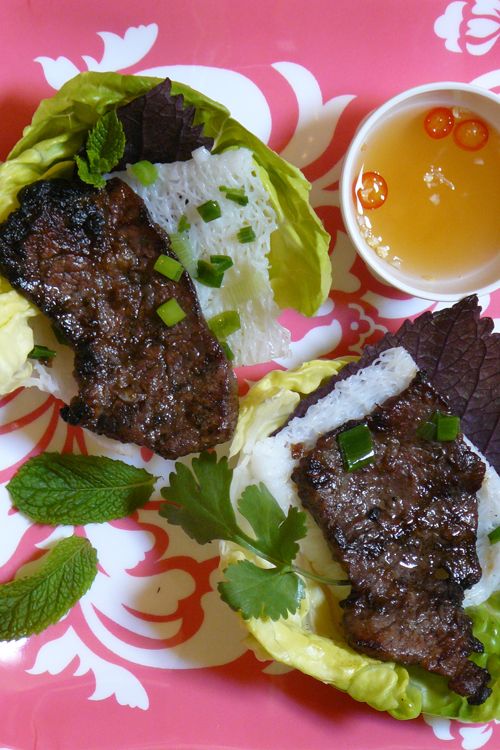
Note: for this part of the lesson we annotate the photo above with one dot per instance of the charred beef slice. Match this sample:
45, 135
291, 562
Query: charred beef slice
85, 257
405, 528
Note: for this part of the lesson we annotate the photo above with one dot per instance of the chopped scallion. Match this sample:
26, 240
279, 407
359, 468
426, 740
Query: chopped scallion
447, 427
209, 211
145, 172
441, 427
212, 274
209, 275
227, 350
169, 267
183, 224
171, 312
426, 431
237, 195
41, 352
182, 248
246, 234
60, 337
356, 446
494, 536
224, 324
223, 262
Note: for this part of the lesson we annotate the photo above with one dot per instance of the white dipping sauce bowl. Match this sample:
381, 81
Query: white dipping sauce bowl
483, 103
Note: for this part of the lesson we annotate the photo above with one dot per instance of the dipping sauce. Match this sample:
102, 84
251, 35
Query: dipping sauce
427, 194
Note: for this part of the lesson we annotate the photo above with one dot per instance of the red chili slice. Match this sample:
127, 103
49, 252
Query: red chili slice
471, 134
373, 190
439, 122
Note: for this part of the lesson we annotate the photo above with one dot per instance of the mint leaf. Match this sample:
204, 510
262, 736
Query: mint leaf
104, 149
67, 489
203, 508
106, 142
86, 175
276, 534
261, 592
29, 605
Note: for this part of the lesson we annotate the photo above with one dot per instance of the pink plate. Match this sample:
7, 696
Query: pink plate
150, 658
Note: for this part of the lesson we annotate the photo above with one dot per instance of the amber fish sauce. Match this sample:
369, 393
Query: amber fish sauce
427, 193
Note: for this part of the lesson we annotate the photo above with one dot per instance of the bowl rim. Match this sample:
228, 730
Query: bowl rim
377, 266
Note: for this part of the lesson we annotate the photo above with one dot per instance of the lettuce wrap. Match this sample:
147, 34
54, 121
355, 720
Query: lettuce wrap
300, 271
312, 640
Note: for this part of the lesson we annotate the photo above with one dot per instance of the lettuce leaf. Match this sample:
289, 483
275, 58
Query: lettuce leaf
299, 265
16, 338
313, 641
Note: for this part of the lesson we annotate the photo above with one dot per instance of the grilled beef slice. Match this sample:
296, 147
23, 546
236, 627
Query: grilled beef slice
405, 528
85, 257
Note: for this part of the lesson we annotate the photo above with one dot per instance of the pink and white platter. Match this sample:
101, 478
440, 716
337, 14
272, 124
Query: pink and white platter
150, 658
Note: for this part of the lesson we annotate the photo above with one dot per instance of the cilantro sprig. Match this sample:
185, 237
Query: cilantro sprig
198, 500
103, 150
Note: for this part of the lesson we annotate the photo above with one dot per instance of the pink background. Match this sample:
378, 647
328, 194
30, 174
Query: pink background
367, 48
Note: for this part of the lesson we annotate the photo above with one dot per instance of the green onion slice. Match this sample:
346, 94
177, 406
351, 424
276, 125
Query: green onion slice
227, 350
182, 248
441, 427
60, 337
447, 427
41, 352
171, 312
145, 172
212, 273
224, 324
169, 267
356, 446
237, 195
246, 234
183, 225
494, 536
427, 430
223, 262
209, 275
209, 211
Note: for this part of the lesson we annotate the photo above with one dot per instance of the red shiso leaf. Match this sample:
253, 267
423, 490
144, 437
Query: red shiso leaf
159, 128
460, 354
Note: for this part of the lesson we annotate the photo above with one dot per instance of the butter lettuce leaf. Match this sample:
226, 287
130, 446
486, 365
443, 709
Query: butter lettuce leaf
312, 640
300, 269
16, 338
271, 400
438, 700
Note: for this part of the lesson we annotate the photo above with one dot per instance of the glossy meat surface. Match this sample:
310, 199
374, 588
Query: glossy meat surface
405, 529
85, 257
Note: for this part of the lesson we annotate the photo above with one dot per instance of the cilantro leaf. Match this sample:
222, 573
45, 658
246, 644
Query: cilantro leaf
104, 149
29, 605
69, 489
199, 501
203, 508
277, 535
261, 592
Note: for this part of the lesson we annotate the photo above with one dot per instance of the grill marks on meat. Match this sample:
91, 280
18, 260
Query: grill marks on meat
85, 257
405, 529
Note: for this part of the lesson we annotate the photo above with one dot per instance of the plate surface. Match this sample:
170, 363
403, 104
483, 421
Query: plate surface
150, 658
